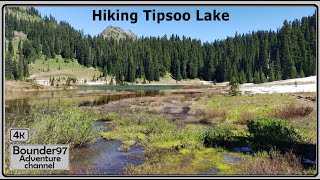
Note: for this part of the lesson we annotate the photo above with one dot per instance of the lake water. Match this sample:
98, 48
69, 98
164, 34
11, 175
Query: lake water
17, 104
101, 157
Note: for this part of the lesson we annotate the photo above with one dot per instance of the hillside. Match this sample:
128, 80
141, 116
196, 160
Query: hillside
62, 69
24, 13
257, 57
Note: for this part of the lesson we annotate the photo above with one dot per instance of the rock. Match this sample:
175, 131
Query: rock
117, 33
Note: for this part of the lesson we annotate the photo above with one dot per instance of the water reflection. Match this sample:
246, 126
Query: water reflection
101, 157
19, 103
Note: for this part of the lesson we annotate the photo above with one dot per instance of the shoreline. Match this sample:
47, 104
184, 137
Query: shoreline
307, 84
22, 86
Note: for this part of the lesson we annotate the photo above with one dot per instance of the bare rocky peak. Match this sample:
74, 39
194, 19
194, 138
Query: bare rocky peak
117, 33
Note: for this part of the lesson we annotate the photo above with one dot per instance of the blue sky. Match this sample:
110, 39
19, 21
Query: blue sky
242, 20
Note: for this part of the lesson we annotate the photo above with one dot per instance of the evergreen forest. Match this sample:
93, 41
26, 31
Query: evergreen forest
257, 56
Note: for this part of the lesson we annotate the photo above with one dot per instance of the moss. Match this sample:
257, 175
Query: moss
208, 158
185, 161
168, 144
126, 146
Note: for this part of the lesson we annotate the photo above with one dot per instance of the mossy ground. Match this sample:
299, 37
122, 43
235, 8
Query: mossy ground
169, 149
174, 149
185, 161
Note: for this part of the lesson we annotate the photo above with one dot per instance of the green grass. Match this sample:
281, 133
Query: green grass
190, 137
135, 127
306, 128
60, 67
258, 105
154, 131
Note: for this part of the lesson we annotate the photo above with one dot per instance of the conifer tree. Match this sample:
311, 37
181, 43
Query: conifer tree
271, 73
234, 87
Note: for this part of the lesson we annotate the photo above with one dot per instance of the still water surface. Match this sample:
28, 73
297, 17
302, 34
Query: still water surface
101, 157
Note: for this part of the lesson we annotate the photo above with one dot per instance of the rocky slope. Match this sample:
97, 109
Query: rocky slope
118, 33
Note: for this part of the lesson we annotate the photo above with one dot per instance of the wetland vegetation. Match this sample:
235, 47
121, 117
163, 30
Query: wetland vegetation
162, 105
181, 131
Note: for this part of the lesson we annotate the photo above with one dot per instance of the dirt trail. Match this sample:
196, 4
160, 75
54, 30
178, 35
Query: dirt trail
304, 97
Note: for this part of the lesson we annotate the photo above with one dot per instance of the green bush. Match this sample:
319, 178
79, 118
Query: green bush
218, 137
268, 133
63, 124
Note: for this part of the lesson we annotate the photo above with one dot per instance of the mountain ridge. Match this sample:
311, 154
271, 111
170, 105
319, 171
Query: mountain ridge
117, 33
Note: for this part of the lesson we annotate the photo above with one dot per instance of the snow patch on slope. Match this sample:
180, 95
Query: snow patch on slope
307, 84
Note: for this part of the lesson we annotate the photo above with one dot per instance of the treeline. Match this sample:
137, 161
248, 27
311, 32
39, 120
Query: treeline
257, 57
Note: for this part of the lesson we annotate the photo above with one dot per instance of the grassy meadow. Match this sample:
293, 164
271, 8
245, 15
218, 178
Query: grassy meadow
60, 67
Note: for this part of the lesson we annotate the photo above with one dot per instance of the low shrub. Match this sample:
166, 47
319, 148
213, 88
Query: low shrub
205, 121
292, 111
211, 113
192, 96
63, 124
273, 163
268, 133
245, 117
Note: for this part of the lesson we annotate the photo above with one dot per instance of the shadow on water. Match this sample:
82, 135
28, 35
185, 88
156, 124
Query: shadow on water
132, 87
102, 157
109, 98
308, 154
